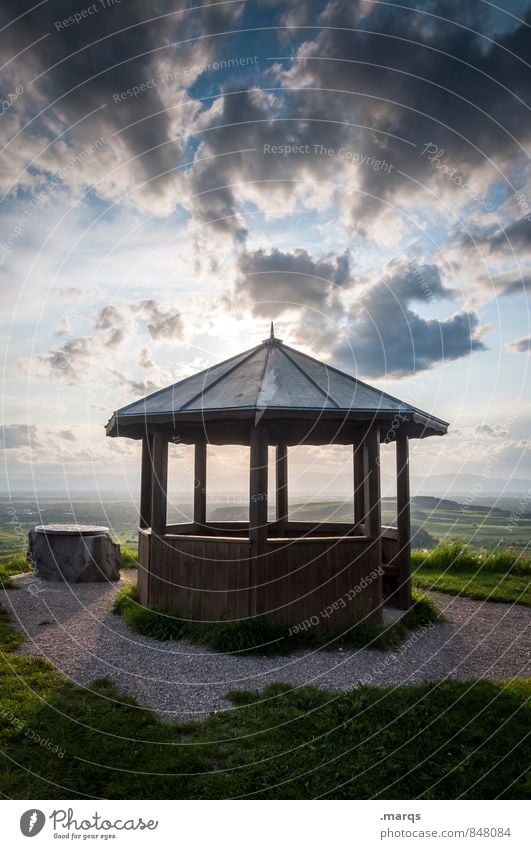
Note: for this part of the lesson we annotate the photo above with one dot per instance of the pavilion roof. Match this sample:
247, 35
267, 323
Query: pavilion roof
269, 379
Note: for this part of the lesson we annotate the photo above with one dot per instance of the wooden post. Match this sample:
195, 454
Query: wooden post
359, 484
200, 472
258, 489
282, 484
402, 597
146, 481
159, 498
373, 519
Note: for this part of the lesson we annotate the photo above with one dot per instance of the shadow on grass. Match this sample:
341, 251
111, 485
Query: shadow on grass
434, 741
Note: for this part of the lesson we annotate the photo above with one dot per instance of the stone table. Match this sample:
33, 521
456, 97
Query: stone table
74, 553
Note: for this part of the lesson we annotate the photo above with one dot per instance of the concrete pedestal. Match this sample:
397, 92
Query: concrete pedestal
74, 553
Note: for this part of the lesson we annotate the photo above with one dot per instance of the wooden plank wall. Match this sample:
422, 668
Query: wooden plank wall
211, 579
389, 545
303, 579
200, 578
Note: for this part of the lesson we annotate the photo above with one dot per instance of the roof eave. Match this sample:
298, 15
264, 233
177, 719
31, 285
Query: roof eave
111, 428
418, 425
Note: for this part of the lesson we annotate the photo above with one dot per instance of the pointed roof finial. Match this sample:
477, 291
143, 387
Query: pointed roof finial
272, 339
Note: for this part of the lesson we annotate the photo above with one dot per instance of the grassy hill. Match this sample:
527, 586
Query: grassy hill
439, 519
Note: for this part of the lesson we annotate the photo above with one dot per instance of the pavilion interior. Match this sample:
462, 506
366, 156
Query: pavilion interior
264, 478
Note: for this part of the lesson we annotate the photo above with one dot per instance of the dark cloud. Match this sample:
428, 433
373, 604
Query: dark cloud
380, 332
516, 235
162, 323
513, 239
409, 281
19, 436
227, 156
115, 338
144, 359
171, 327
506, 247
214, 203
71, 293
385, 336
378, 84
520, 346
136, 387
109, 316
422, 79
69, 435
302, 12
398, 342
278, 281
378, 81
240, 157
488, 430
150, 309
70, 361
507, 283
92, 65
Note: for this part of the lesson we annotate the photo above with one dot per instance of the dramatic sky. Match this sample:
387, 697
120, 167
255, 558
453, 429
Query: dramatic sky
175, 174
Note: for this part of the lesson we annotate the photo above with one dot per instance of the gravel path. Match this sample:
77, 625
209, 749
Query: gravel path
72, 625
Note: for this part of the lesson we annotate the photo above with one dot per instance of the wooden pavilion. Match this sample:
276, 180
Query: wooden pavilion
329, 574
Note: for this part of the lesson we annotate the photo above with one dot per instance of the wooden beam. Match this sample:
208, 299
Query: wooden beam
402, 597
282, 484
200, 476
159, 500
258, 488
146, 481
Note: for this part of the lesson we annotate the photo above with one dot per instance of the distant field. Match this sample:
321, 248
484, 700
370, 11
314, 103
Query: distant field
18, 516
440, 519
433, 519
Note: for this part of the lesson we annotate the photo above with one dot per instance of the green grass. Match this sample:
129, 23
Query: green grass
129, 557
501, 576
439, 741
488, 587
16, 563
5, 577
456, 556
9, 637
259, 636
13, 564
